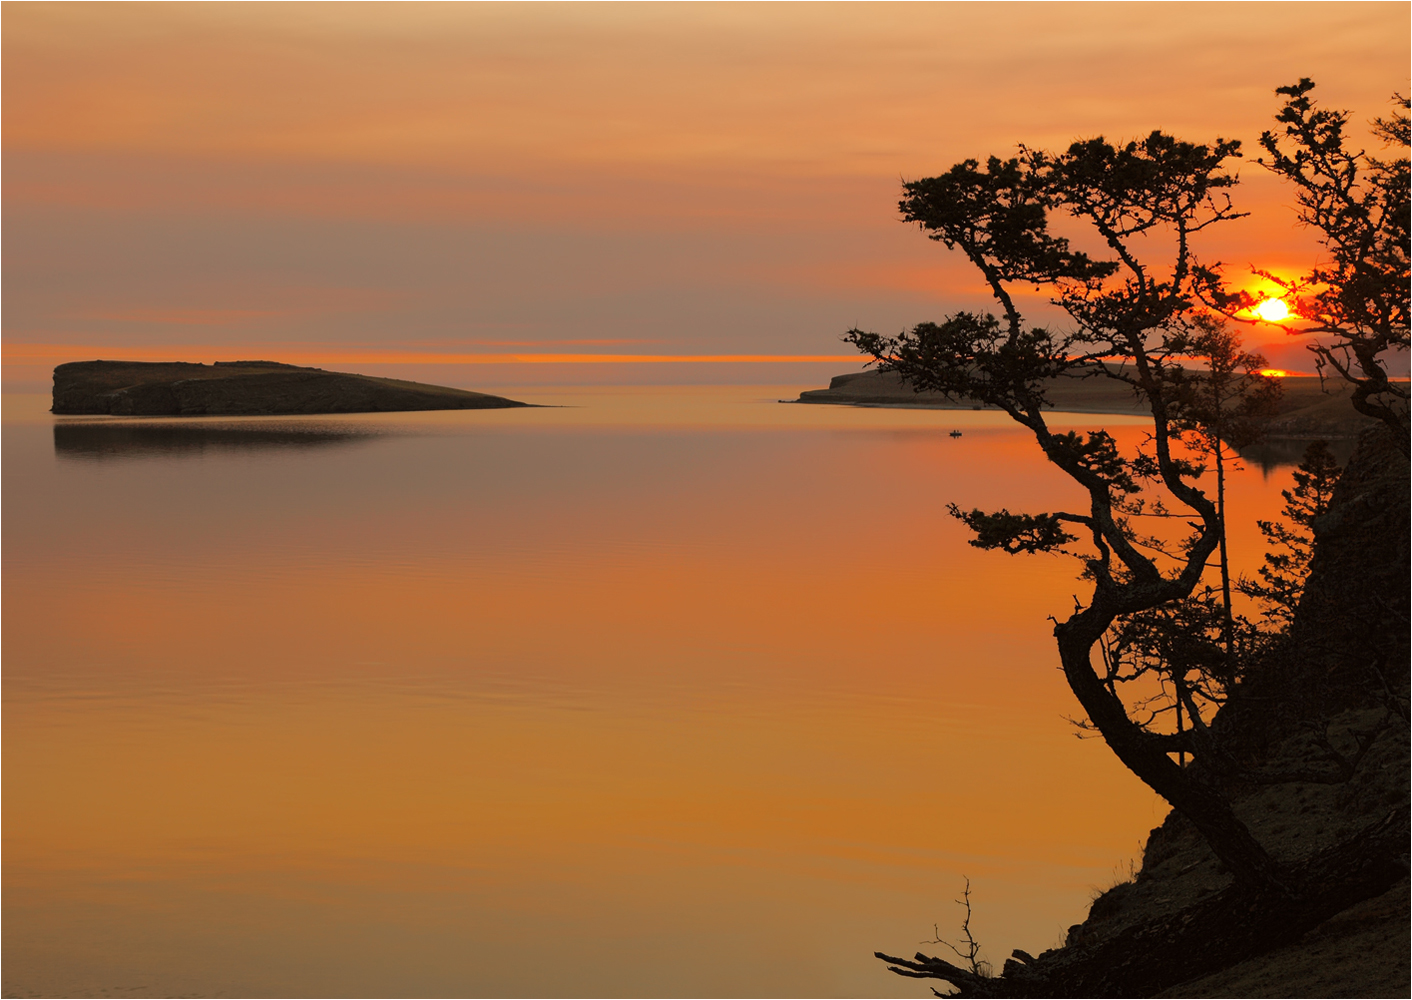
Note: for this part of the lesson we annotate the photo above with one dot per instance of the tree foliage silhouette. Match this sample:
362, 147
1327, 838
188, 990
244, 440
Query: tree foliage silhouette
1132, 307
1105, 232
1280, 581
1358, 204
1219, 406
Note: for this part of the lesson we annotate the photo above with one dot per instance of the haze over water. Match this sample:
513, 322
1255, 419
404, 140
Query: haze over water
671, 690
668, 691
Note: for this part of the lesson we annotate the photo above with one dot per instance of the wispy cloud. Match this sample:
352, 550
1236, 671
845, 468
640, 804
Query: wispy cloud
185, 317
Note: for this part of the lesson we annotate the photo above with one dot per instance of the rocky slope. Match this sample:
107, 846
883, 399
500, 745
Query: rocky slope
239, 388
1319, 731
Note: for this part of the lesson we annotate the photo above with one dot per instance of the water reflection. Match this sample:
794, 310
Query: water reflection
1272, 453
112, 439
643, 678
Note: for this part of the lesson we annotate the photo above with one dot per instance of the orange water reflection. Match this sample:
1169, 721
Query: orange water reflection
539, 702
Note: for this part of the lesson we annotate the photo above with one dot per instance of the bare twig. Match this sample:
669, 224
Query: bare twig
971, 954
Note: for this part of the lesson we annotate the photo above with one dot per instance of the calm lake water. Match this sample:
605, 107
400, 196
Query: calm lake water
666, 691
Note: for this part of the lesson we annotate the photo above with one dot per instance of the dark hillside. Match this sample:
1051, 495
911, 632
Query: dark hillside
1348, 645
1317, 737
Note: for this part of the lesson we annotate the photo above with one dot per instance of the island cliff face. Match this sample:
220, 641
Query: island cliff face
244, 388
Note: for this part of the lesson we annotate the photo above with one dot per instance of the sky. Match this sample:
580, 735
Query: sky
488, 194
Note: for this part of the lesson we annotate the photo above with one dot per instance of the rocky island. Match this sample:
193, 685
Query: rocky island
244, 388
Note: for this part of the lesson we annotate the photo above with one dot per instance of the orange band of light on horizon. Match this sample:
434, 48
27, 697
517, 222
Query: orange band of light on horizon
68, 352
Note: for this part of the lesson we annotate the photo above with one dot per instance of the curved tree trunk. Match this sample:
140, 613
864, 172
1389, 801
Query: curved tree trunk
1209, 811
1364, 402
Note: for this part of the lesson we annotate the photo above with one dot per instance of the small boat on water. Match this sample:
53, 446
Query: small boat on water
955, 434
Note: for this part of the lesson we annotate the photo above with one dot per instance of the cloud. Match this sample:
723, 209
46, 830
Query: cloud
184, 317
719, 180
314, 354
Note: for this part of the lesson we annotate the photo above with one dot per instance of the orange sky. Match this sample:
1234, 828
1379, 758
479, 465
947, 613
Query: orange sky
715, 181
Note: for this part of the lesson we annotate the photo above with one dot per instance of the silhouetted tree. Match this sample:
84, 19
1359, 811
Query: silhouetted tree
1359, 206
1189, 647
1220, 406
1196, 647
1131, 296
1281, 578
1130, 314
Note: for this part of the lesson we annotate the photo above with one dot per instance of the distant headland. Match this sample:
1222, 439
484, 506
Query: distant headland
1309, 406
245, 388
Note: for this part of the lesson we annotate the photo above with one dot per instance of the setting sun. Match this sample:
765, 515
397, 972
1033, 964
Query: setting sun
1272, 310
499, 600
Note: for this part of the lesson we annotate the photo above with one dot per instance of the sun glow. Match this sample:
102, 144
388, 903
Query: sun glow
1272, 310
1273, 372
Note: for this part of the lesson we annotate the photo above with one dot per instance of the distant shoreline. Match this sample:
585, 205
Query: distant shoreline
1310, 407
